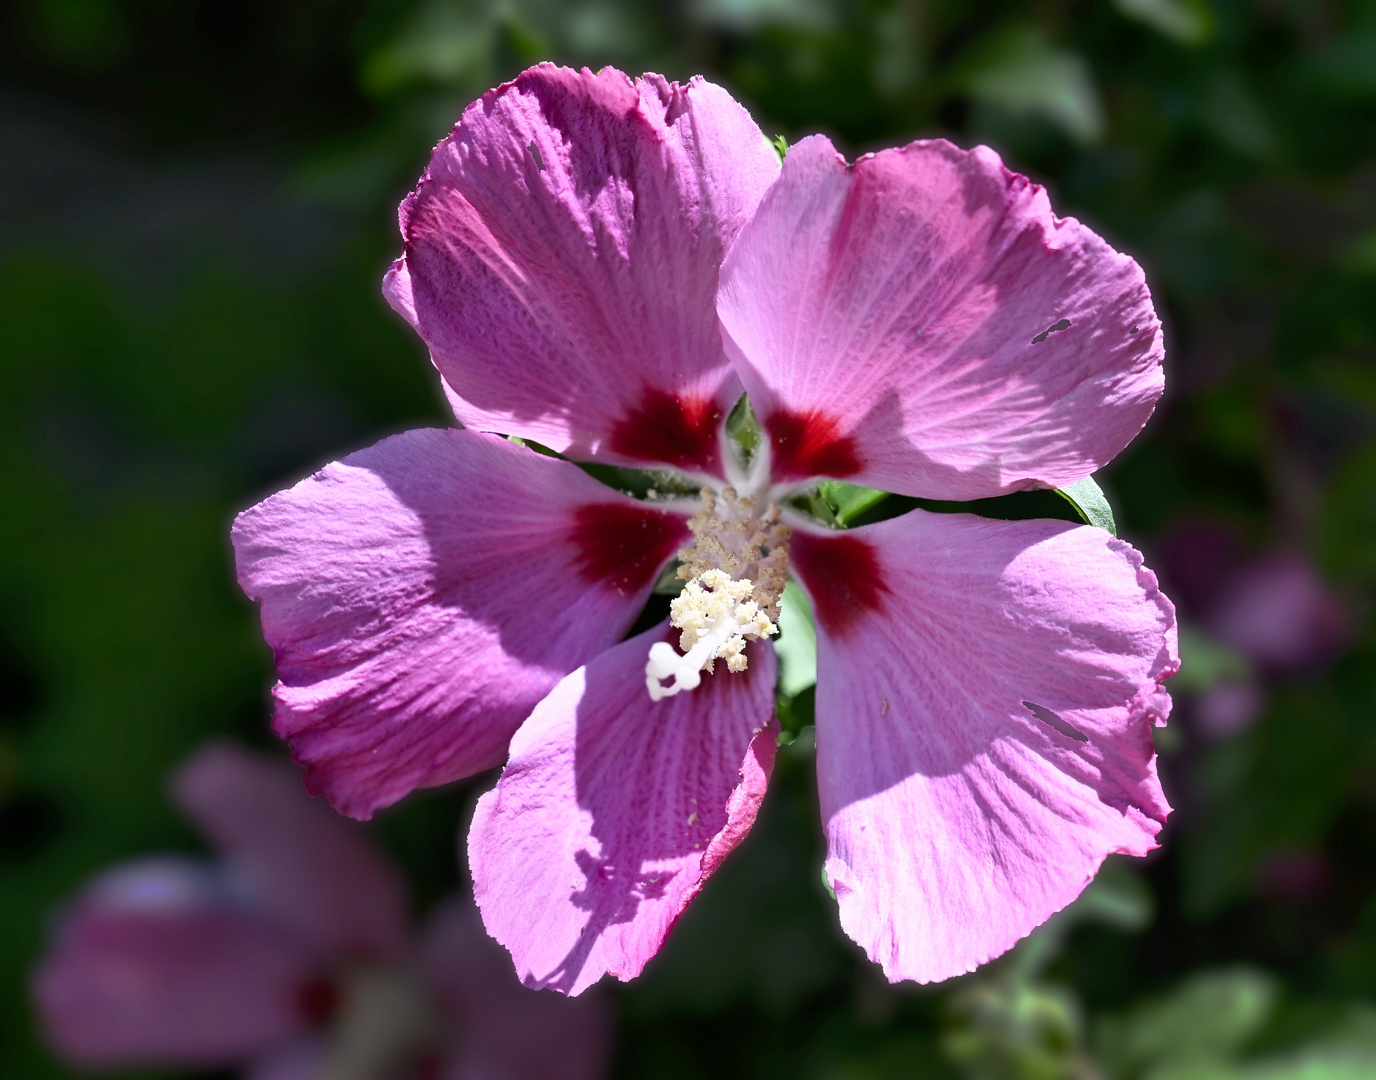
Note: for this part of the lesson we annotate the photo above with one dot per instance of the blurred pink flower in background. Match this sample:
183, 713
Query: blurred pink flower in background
919, 321
1278, 613
1273, 612
292, 956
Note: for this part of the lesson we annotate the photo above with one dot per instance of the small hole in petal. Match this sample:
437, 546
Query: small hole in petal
1133, 330
1046, 716
1064, 324
535, 153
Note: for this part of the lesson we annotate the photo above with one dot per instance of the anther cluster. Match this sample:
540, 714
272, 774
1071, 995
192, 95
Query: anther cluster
734, 573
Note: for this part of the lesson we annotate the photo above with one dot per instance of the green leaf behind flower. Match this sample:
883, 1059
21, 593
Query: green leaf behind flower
1090, 503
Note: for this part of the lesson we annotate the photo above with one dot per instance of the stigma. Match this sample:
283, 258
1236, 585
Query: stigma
734, 573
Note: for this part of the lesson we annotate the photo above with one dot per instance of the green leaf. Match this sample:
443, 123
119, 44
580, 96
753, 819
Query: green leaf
638, 483
1232, 112
1206, 1020
1090, 503
796, 648
780, 145
826, 883
796, 715
796, 645
1189, 22
539, 448
1348, 64
849, 501
1021, 71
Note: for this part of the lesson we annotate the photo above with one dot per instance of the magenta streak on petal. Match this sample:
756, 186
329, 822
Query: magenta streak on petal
552, 298
421, 596
899, 299
614, 809
957, 821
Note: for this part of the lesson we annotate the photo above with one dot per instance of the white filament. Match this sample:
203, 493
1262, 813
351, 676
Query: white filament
717, 617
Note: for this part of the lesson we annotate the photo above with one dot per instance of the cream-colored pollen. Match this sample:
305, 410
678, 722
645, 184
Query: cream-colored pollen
714, 601
734, 574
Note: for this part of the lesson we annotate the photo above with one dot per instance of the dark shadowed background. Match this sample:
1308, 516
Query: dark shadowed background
197, 202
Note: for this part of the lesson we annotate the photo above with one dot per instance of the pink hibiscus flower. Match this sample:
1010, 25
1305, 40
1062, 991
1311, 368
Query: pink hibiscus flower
604, 266
292, 956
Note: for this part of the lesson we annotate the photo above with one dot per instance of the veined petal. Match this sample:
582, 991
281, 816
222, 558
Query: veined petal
491, 1015
985, 697
922, 322
614, 809
156, 965
317, 872
562, 252
422, 595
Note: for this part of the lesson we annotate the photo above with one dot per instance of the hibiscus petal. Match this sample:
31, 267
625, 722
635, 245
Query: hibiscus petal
614, 810
922, 323
492, 1015
985, 695
155, 965
422, 595
316, 871
561, 261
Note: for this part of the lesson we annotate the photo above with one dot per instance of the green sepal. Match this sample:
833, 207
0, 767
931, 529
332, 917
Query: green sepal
1090, 503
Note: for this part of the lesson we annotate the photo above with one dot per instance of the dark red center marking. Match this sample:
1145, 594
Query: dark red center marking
843, 575
318, 1000
670, 430
809, 444
623, 545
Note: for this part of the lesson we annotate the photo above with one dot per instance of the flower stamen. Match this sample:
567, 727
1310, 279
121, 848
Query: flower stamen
734, 574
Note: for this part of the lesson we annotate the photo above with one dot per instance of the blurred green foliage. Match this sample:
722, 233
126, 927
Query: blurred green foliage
197, 210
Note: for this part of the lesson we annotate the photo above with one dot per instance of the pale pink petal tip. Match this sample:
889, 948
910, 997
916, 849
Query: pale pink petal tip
422, 595
614, 810
984, 720
562, 253
923, 323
